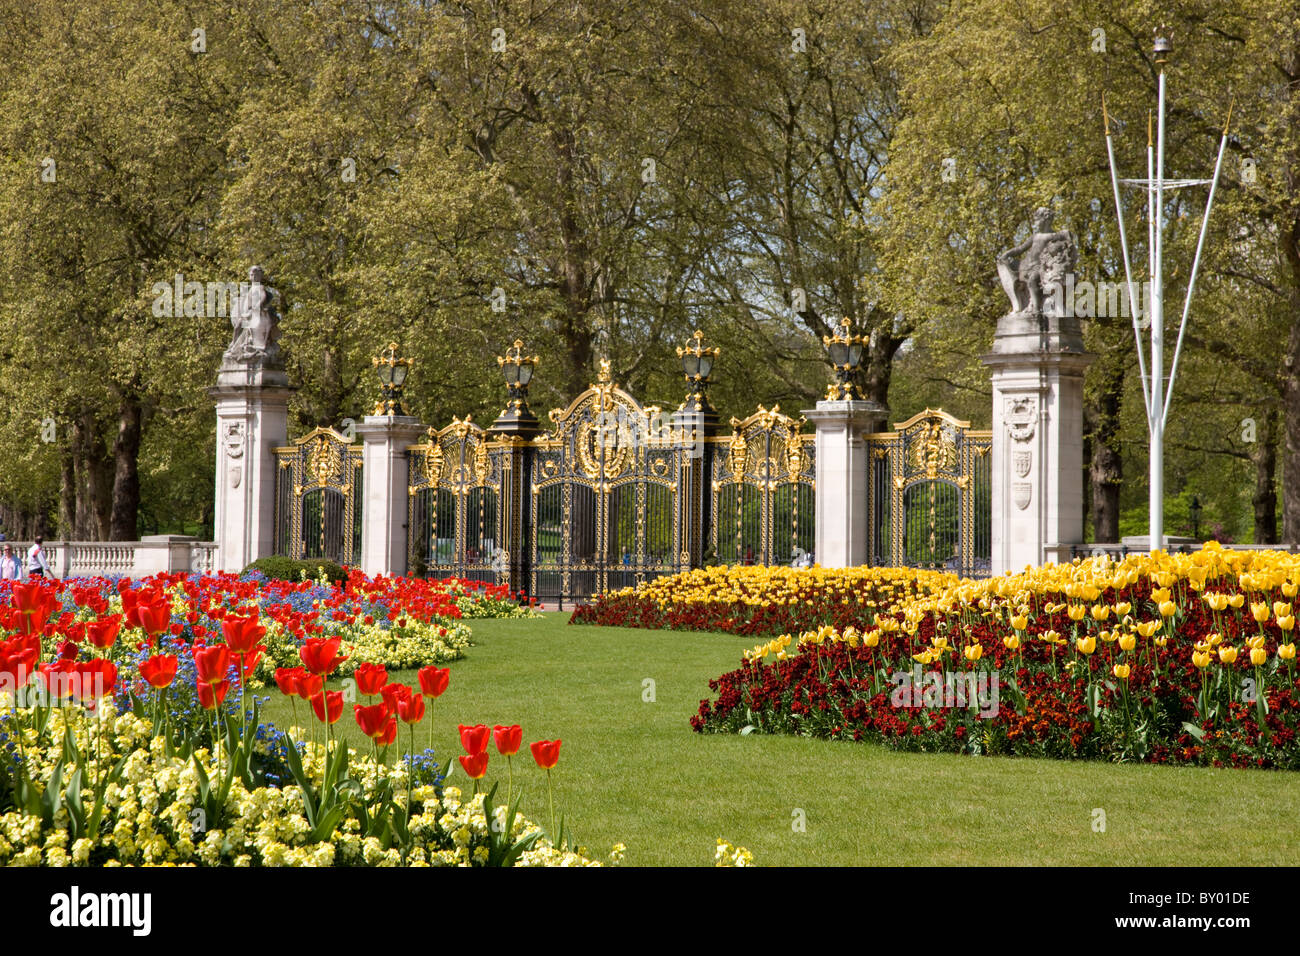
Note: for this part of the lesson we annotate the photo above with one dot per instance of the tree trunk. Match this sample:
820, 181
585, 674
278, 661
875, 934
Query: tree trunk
95, 484
126, 472
68, 495
1106, 472
1264, 457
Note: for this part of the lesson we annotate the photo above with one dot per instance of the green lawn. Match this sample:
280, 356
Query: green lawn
633, 772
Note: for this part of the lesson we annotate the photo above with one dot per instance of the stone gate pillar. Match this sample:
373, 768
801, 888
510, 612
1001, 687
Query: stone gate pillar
385, 477
1038, 363
252, 400
842, 474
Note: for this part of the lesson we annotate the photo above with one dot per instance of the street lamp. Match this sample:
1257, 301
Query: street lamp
845, 352
392, 378
697, 365
517, 369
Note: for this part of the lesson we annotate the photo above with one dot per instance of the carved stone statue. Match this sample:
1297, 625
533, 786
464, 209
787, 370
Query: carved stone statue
1034, 273
256, 324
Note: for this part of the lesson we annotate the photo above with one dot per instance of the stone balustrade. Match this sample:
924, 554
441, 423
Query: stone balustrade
152, 554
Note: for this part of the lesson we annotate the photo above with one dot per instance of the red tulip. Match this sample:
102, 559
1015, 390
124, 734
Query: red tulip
389, 734
286, 678
371, 678
155, 618
411, 710
433, 680
97, 678
372, 720
211, 696
103, 633
393, 693
309, 685
546, 753
321, 655
159, 670
474, 739
329, 709
507, 739
211, 663
475, 764
242, 633
58, 678
250, 660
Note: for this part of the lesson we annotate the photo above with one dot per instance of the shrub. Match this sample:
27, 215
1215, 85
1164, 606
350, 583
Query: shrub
280, 568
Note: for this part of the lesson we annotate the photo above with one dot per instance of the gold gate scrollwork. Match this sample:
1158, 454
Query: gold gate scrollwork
928, 499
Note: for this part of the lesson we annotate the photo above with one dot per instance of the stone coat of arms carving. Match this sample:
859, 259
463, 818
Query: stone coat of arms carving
1021, 418
1021, 462
1021, 493
234, 442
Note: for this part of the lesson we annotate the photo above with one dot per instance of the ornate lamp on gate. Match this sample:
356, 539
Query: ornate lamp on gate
697, 364
517, 368
846, 354
392, 378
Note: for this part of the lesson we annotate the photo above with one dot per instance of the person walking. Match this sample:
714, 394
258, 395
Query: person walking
36, 566
10, 569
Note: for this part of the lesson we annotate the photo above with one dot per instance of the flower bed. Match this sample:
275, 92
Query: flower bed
130, 728
761, 601
1178, 659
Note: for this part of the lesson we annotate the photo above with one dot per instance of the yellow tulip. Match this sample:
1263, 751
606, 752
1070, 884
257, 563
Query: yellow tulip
1077, 611
974, 652
1168, 608
1160, 595
1100, 612
1121, 671
1236, 601
1147, 628
1214, 639
1259, 611
1286, 623
872, 638
1086, 645
1122, 608
1051, 637
1281, 609
1286, 652
1258, 656
1216, 601
1012, 643
1228, 655
1201, 659
1290, 588
1127, 642
1108, 636
1020, 622
1256, 641
1161, 641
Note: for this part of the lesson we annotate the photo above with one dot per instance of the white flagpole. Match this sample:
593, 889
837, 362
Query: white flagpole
1157, 479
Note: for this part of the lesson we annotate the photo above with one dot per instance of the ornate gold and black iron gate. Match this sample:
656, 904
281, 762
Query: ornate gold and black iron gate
455, 515
605, 505
929, 496
763, 481
319, 498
